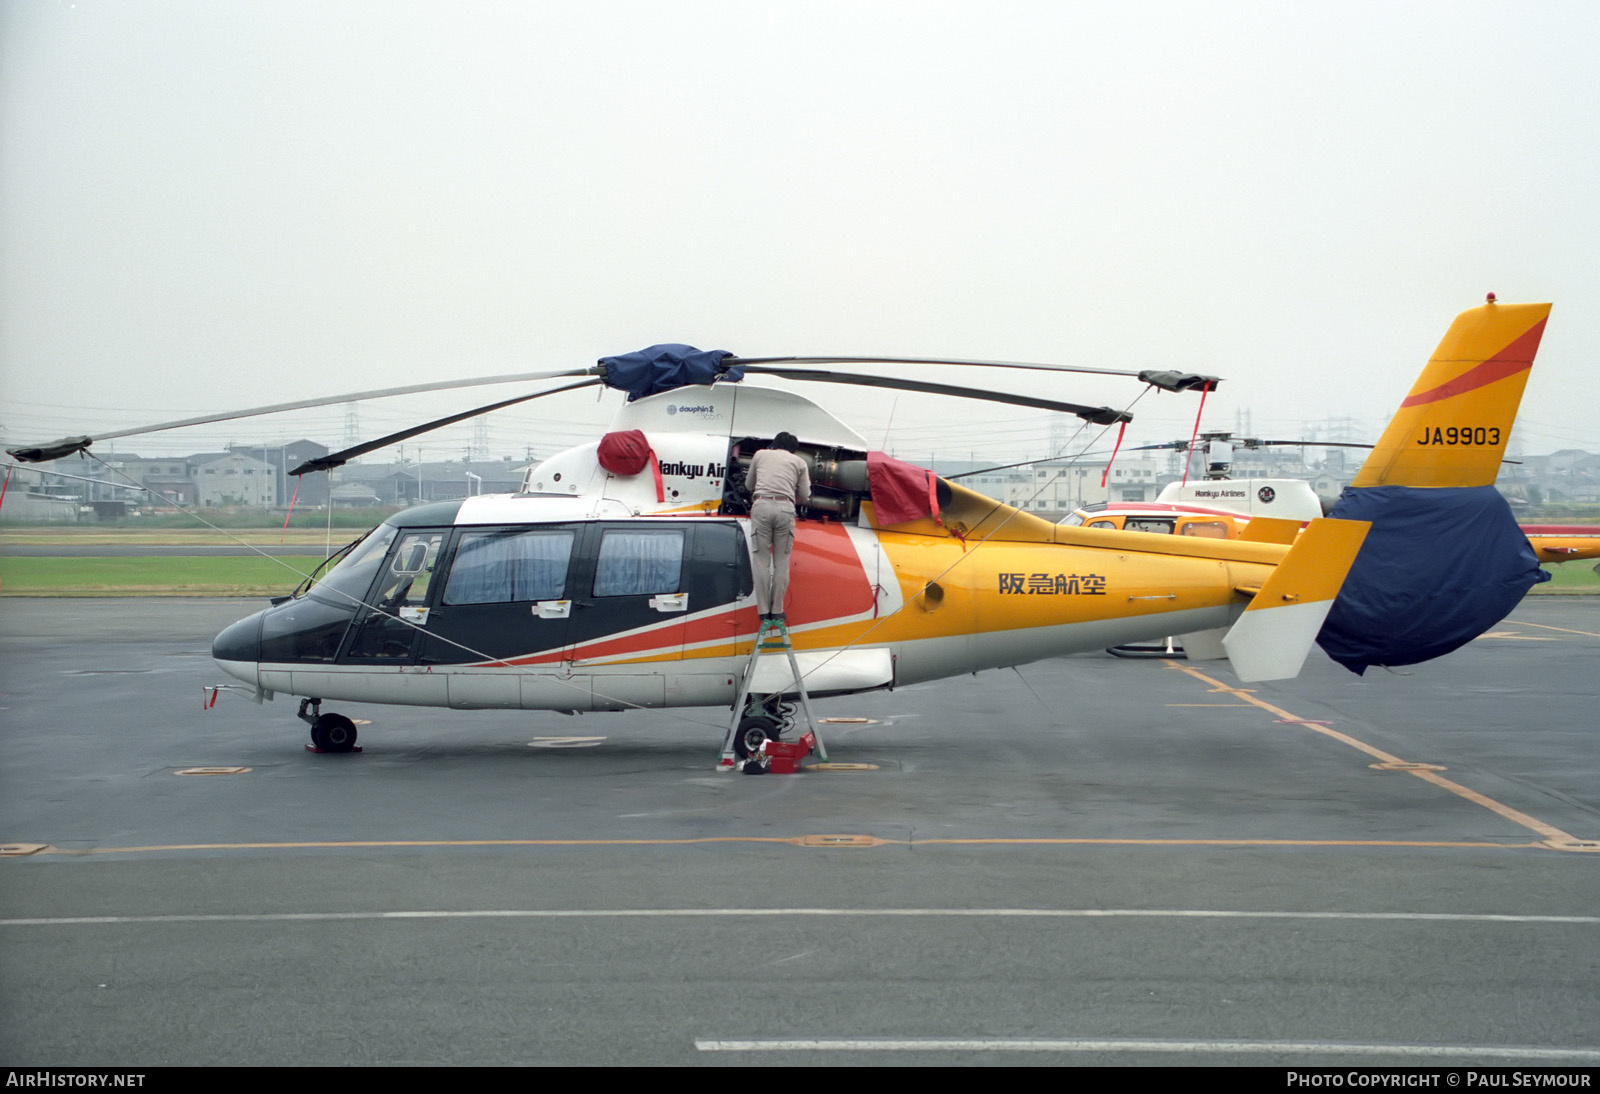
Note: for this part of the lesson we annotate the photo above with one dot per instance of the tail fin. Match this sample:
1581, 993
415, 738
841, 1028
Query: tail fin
1271, 639
1453, 427
1445, 560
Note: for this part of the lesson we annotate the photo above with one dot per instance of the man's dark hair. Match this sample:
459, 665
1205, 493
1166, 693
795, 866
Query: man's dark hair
785, 441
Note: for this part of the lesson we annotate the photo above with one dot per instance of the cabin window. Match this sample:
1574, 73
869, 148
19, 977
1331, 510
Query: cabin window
1103, 524
1209, 529
634, 563
1147, 524
507, 567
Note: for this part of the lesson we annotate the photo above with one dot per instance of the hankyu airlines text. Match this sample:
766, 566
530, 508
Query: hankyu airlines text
1051, 585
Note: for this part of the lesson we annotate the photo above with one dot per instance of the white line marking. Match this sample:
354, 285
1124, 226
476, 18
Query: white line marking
815, 913
1327, 1048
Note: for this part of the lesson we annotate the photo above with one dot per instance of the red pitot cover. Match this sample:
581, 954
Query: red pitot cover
901, 491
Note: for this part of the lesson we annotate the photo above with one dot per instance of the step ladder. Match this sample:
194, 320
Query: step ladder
772, 637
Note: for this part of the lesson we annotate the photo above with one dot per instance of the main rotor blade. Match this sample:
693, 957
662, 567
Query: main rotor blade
338, 459
140, 487
1254, 442
1088, 458
1247, 442
1167, 380
69, 445
1099, 415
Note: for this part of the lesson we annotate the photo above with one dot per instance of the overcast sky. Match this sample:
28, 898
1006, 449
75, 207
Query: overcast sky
213, 204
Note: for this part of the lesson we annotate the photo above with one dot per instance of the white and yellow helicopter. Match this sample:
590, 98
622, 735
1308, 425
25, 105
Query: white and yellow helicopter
620, 576
1221, 507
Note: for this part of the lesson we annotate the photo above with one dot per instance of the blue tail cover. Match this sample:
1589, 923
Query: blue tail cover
655, 369
1440, 567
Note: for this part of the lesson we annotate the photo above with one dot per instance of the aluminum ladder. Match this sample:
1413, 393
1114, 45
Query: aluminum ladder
770, 638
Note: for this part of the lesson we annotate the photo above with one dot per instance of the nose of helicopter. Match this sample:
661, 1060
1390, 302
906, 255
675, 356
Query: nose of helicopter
237, 650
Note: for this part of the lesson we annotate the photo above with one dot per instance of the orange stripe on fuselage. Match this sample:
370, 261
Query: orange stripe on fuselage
662, 642
826, 580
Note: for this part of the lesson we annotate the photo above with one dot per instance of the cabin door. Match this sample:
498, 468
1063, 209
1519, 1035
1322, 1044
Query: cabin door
501, 618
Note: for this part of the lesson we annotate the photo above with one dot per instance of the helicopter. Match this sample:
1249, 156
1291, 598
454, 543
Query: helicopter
1222, 507
620, 576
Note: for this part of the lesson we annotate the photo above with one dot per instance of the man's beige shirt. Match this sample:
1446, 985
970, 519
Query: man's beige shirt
776, 473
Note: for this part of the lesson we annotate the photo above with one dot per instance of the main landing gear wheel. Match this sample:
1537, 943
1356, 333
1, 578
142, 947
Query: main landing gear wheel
334, 733
754, 730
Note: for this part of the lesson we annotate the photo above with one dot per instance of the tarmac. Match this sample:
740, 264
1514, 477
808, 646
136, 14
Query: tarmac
1085, 861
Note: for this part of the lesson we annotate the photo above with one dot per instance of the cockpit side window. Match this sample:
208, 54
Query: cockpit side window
388, 629
410, 570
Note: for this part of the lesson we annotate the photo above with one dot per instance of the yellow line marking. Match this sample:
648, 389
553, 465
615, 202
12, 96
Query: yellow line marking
1553, 836
1046, 840
1208, 704
1514, 634
809, 841
1548, 627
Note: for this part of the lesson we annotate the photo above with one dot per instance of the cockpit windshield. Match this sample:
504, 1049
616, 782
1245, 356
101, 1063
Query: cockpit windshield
347, 583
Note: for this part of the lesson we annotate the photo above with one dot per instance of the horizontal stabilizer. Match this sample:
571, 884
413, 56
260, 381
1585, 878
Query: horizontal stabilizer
1270, 530
1271, 639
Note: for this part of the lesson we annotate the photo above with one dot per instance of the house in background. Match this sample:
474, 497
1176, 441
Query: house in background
228, 478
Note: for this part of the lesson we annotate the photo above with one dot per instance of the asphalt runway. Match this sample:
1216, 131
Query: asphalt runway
1087, 861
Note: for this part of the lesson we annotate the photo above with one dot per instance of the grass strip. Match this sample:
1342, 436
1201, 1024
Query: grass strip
1570, 577
177, 575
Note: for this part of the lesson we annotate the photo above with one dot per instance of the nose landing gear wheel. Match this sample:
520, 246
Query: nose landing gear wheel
334, 733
